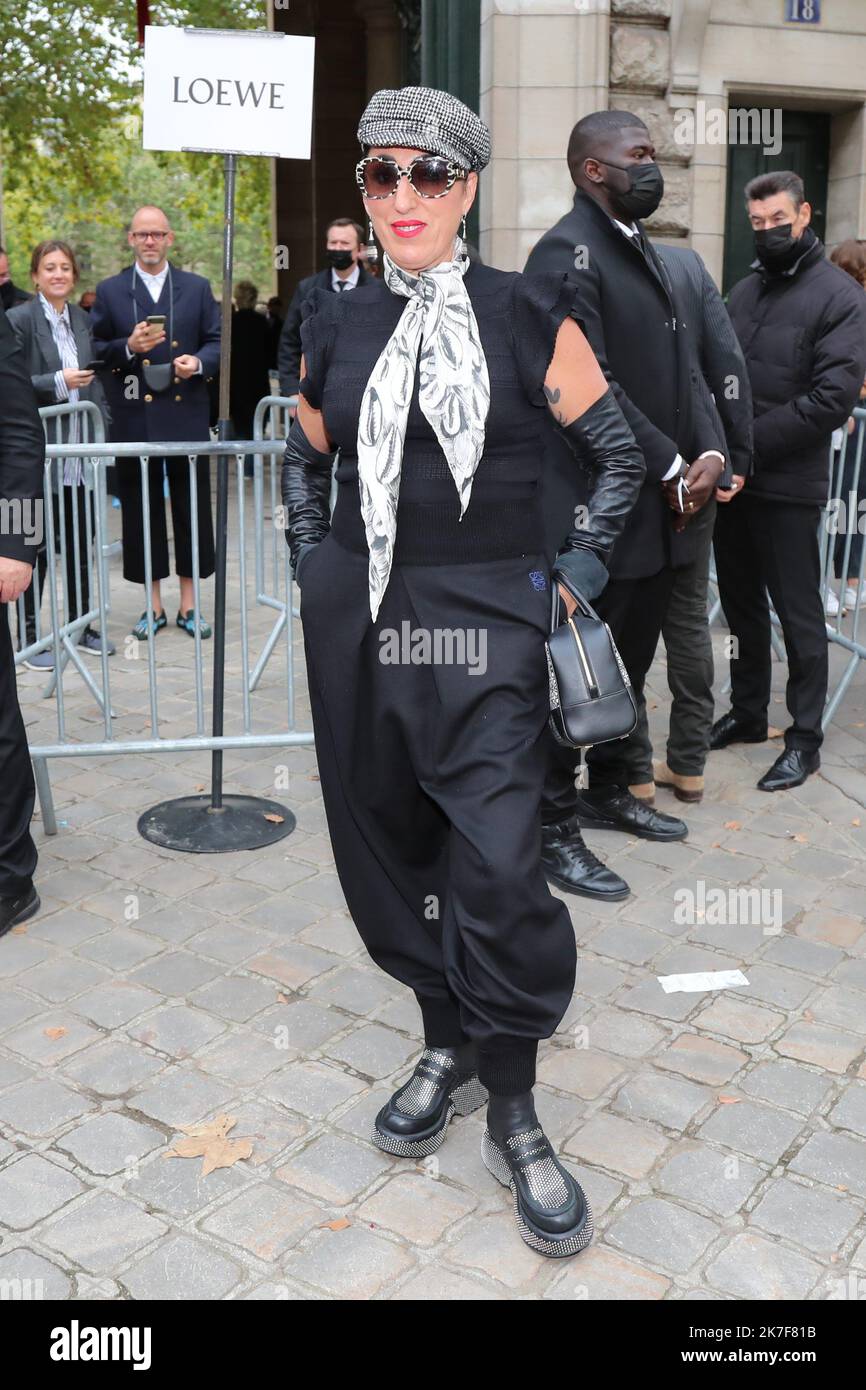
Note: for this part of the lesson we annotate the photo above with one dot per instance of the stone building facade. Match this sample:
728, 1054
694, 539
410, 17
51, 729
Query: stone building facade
546, 63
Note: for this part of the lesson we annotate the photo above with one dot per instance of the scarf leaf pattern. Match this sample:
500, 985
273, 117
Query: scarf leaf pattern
437, 336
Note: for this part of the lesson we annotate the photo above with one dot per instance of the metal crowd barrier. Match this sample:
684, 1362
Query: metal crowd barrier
64, 632
843, 549
271, 421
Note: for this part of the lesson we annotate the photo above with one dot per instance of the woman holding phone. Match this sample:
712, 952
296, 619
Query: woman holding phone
56, 340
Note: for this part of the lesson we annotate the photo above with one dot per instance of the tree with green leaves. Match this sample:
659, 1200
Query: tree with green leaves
70, 142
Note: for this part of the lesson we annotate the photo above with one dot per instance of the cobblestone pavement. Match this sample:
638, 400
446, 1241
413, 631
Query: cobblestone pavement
721, 1137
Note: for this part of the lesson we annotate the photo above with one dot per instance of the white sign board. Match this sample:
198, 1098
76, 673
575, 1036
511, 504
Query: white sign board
241, 91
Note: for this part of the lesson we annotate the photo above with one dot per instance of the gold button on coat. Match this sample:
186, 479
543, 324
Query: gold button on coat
145, 361
148, 398
178, 398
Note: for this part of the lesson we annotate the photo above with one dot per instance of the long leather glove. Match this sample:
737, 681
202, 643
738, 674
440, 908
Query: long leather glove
603, 439
305, 484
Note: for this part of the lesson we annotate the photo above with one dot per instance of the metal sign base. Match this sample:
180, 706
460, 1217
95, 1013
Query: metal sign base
192, 825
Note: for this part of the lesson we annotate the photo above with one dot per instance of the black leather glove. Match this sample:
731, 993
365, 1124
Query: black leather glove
305, 484
605, 444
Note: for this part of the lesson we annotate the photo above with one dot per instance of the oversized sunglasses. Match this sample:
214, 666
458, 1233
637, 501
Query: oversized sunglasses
430, 175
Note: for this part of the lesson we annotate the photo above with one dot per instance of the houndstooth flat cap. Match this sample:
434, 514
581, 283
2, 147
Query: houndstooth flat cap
422, 118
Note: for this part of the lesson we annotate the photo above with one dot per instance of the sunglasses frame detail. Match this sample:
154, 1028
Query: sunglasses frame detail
455, 172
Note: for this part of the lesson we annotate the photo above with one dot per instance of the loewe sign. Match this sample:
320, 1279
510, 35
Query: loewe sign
246, 91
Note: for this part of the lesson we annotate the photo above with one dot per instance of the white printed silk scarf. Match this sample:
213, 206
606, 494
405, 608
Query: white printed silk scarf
438, 333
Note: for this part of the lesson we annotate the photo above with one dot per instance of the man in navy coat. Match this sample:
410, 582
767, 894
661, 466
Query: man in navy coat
171, 405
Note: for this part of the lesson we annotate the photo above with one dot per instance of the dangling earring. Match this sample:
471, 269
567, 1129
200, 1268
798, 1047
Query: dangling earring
463, 228
372, 249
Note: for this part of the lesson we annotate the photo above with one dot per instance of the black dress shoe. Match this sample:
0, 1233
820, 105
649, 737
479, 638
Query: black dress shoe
413, 1122
614, 808
570, 865
730, 729
551, 1210
790, 769
14, 910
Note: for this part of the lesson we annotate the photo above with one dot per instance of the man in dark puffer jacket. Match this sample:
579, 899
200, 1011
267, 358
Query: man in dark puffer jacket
801, 323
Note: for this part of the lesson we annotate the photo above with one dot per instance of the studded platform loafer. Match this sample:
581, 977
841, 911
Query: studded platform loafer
551, 1211
413, 1123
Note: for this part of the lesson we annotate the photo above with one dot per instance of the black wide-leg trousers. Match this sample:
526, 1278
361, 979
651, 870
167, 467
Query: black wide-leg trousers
431, 774
132, 515
17, 788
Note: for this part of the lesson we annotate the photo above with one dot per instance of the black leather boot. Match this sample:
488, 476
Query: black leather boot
413, 1122
569, 864
552, 1213
18, 907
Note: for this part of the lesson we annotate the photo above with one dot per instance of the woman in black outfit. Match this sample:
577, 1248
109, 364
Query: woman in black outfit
425, 605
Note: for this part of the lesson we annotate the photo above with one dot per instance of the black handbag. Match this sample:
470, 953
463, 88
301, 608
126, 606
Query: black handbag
591, 698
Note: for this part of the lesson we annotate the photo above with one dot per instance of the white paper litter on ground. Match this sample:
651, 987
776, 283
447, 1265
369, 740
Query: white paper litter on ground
701, 980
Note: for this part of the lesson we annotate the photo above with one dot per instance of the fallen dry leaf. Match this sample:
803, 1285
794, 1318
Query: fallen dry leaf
801, 839
201, 788
314, 777
339, 1224
19, 931
856, 820
210, 1142
808, 1016
773, 732
733, 825
54, 1033
282, 998
729, 1100
272, 816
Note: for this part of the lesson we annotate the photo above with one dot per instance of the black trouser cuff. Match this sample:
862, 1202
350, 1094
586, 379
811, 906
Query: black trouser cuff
507, 1068
441, 1022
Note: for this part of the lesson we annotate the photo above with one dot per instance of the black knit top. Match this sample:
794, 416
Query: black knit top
518, 318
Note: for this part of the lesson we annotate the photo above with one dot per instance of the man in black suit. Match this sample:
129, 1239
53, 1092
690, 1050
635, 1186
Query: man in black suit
801, 322
344, 272
721, 377
10, 294
22, 450
630, 316
157, 389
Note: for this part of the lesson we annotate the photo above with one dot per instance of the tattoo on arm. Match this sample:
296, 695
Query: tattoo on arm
553, 394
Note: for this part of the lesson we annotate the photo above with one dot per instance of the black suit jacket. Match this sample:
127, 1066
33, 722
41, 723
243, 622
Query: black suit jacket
183, 411
289, 351
43, 360
627, 308
22, 446
720, 367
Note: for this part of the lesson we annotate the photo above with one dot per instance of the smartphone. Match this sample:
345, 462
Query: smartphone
155, 320
93, 366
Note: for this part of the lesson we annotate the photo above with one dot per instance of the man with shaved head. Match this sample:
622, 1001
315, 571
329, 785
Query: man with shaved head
157, 329
629, 312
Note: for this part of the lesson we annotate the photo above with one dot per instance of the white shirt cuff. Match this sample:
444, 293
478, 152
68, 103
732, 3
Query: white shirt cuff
61, 390
674, 468
129, 355
712, 454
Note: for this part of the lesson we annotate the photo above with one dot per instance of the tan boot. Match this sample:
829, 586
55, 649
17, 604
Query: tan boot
684, 788
644, 791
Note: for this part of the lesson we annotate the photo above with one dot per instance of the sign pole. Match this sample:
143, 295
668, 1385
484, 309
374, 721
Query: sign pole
217, 825
228, 92
223, 425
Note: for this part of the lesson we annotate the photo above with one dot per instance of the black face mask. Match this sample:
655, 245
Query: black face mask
339, 260
6, 292
646, 187
776, 248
